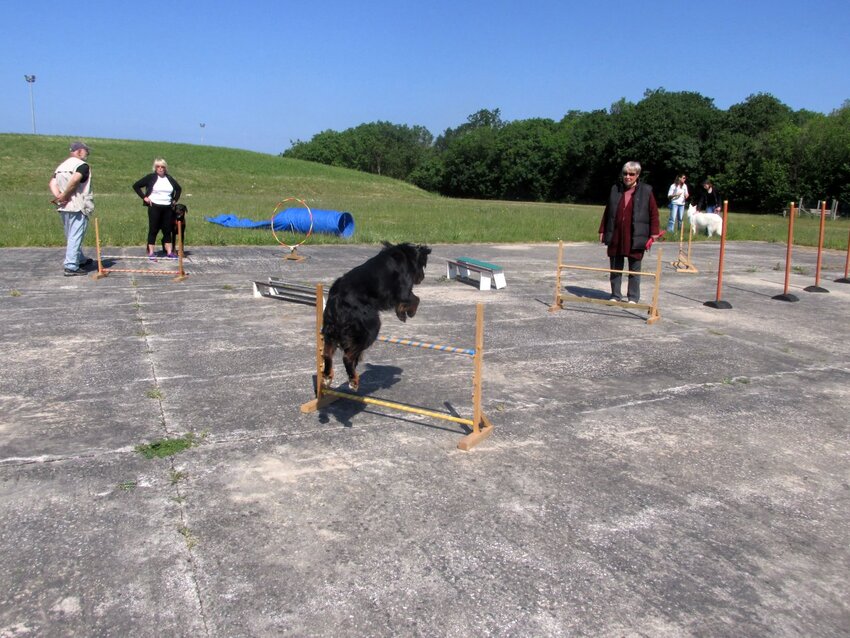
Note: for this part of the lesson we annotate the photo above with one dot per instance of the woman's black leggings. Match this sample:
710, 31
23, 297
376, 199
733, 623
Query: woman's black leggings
160, 218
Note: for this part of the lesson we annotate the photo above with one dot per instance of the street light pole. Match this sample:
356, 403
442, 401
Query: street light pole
203, 126
31, 80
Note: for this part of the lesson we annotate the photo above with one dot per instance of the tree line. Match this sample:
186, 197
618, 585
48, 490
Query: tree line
760, 154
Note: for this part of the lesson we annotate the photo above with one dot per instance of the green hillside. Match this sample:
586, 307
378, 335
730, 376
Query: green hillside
221, 180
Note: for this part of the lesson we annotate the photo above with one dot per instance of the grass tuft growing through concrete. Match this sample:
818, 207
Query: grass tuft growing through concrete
166, 447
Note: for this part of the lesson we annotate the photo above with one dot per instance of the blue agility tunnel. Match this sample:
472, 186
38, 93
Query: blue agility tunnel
296, 220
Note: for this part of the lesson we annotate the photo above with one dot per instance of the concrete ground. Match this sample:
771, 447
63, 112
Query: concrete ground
689, 478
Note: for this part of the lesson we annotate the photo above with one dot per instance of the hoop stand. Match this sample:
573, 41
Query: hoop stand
293, 249
294, 255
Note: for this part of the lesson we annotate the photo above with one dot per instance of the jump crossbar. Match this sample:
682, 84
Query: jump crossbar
480, 424
396, 406
427, 346
624, 272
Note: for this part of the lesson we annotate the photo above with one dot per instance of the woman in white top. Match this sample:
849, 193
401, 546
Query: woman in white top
677, 196
159, 192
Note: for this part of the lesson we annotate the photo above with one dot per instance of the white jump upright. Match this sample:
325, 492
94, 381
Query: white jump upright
467, 268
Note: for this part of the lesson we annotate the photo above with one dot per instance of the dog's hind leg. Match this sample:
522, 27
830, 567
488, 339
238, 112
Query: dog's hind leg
351, 358
328, 360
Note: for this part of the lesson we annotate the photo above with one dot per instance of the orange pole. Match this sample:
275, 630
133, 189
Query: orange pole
722, 250
820, 241
847, 261
790, 245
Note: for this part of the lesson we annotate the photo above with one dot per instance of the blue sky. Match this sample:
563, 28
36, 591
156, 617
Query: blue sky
261, 73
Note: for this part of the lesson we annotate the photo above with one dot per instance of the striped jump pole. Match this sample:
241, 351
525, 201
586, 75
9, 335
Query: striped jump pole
718, 303
480, 425
786, 296
817, 287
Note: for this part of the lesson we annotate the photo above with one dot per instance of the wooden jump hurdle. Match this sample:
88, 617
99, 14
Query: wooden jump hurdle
479, 423
103, 272
560, 297
683, 262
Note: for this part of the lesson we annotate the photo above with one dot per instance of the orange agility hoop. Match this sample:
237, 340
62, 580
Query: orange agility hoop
293, 254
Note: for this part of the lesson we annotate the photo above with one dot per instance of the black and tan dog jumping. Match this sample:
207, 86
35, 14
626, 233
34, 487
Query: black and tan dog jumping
352, 321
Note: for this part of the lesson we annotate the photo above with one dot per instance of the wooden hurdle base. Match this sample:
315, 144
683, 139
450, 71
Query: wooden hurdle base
102, 271
653, 314
480, 427
473, 438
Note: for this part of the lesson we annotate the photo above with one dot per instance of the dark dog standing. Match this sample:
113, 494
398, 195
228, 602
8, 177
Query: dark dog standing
352, 320
179, 213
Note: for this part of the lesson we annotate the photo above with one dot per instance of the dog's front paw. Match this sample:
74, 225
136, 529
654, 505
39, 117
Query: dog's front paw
354, 383
326, 380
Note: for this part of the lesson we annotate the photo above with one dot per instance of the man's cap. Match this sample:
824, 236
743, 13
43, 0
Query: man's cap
76, 146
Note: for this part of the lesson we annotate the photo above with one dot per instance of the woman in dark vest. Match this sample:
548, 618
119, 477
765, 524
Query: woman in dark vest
629, 220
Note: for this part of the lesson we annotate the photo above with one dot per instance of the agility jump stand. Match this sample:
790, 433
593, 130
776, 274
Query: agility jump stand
479, 423
786, 296
285, 291
560, 297
683, 262
817, 287
718, 303
103, 272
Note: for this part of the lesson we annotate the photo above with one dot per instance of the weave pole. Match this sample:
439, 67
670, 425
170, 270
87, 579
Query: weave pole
718, 303
817, 287
786, 296
653, 314
102, 271
479, 424
846, 279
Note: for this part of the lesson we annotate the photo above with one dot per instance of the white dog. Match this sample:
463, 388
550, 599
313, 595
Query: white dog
711, 222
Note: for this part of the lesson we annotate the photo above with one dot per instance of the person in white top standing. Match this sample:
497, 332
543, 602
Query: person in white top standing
677, 195
161, 192
72, 195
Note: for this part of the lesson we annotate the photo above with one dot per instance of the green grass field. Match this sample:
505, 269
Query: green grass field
220, 180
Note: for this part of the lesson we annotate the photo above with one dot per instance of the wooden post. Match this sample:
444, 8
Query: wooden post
101, 272
654, 315
718, 303
817, 287
181, 273
322, 397
557, 303
481, 426
786, 296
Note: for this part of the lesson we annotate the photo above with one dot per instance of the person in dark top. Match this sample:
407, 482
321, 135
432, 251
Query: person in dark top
709, 199
160, 192
630, 219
